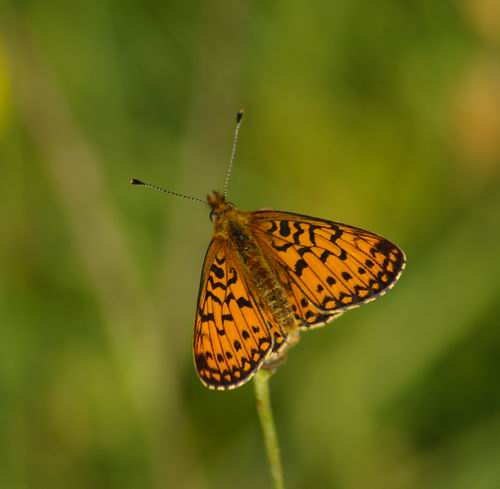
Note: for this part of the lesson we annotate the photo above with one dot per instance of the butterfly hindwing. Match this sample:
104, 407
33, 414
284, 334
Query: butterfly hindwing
231, 335
327, 267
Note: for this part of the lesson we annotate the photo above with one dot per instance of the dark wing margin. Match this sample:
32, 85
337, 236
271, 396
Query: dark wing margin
231, 337
327, 266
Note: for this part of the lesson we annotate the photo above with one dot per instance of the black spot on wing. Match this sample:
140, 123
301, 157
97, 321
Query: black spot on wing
330, 280
282, 247
201, 362
211, 295
325, 303
302, 251
233, 277
273, 227
384, 247
324, 256
297, 233
284, 229
209, 316
312, 236
243, 302
216, 285
218, 272
299, 266
337, 233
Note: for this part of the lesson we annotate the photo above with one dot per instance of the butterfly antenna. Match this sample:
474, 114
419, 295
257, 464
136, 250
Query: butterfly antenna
134, 181
239, 118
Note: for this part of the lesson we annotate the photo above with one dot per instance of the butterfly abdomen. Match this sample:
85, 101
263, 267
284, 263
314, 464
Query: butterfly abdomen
267, 288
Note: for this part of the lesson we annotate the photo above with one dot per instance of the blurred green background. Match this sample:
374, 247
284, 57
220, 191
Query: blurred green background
384, 115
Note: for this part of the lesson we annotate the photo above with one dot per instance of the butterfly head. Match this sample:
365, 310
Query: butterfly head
218, 205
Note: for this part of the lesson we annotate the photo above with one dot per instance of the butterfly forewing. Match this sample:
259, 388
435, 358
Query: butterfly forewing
327, 267
232, 336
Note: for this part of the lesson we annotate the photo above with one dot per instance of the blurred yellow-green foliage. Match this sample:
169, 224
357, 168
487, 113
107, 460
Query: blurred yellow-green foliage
384, 115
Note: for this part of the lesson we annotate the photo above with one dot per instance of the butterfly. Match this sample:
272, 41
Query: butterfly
269, 275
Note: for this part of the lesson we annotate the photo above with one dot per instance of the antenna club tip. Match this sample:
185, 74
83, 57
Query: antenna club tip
239, 116
134, 181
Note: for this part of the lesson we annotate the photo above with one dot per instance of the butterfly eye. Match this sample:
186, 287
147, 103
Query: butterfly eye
213, 215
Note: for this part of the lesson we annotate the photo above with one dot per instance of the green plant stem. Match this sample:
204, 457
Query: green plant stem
261, 381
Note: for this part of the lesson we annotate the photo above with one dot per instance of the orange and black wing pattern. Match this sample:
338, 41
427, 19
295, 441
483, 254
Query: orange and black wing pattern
327, 267
232, 334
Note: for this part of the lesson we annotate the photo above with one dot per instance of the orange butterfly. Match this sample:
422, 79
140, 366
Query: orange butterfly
269, 275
